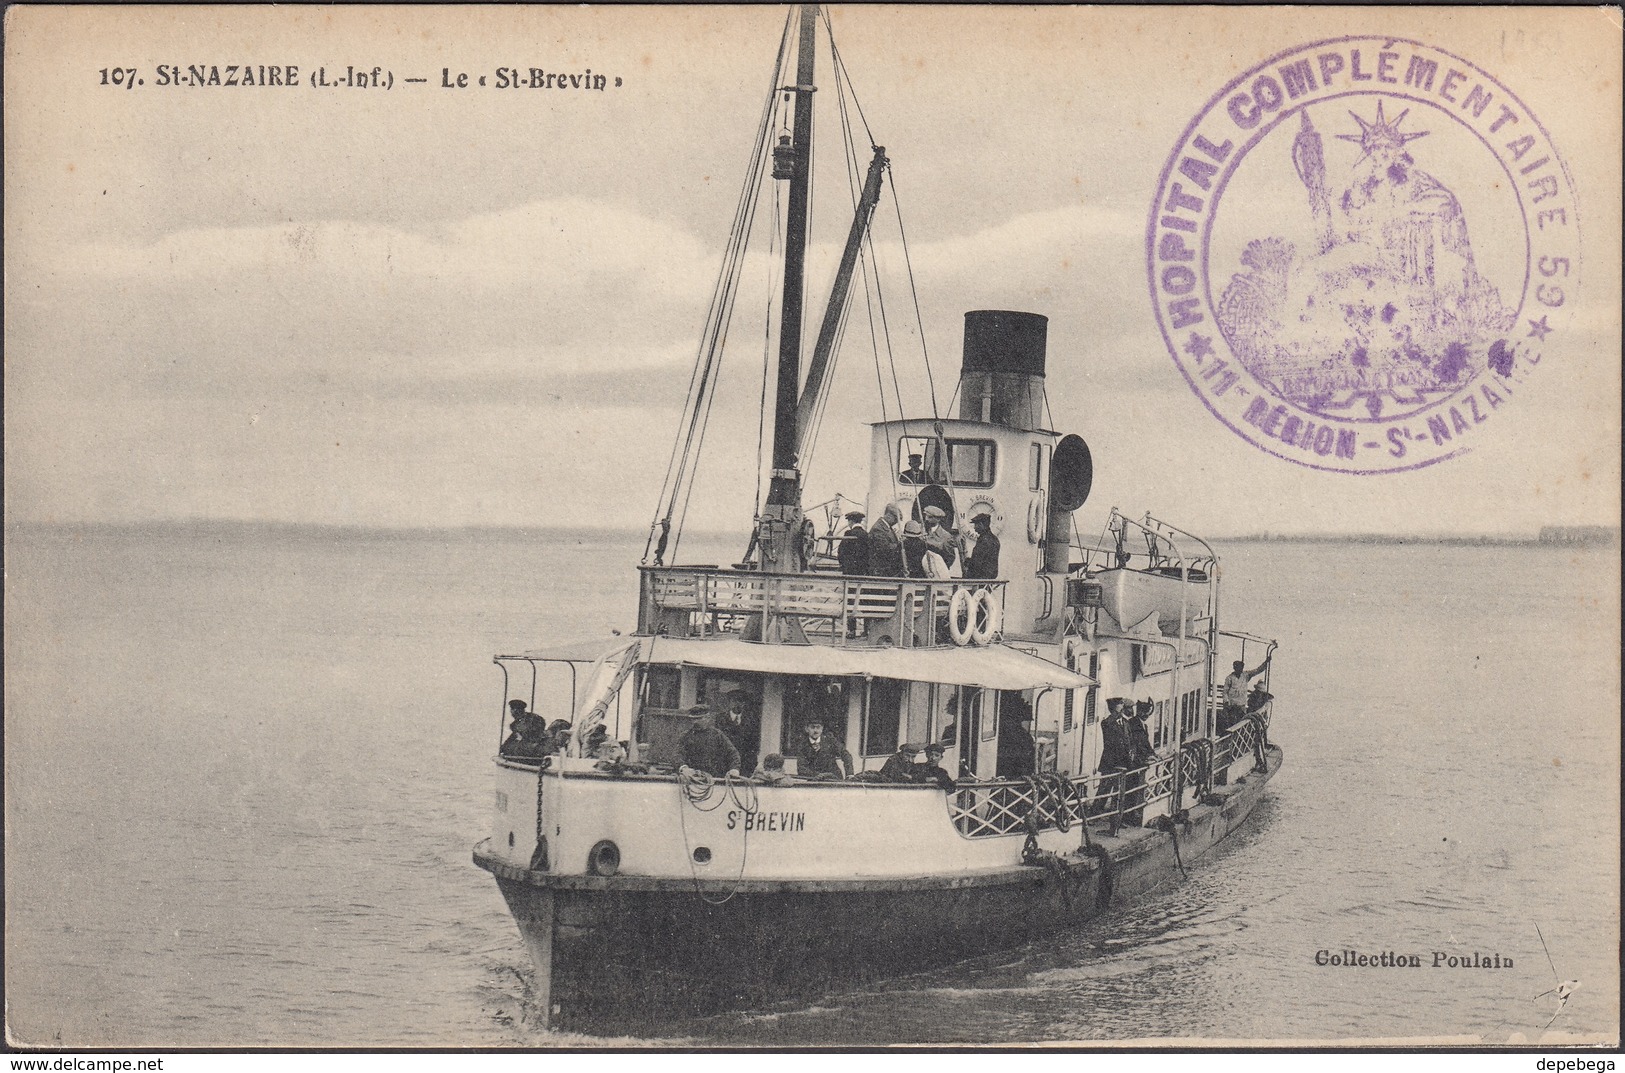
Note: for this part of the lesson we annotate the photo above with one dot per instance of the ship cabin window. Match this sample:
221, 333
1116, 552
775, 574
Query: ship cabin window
970, 463
1089, 715
964, 726
1191, 713
1035, 466
662, 687
882, 716
812, 696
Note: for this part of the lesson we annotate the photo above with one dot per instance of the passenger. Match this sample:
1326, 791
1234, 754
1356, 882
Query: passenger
771, 773
1235, 690
596, 737
939, 541
705, 748
527, 734
915, 473
899, 766
1016, 746
914, 549
983, 560
1257, 701
740, 722
820, 756
932, 771
885, 550
558, 737
1139, 734
1117, 750
1140, 754
854, 550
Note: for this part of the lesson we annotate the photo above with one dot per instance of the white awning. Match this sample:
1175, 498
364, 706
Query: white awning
995, 667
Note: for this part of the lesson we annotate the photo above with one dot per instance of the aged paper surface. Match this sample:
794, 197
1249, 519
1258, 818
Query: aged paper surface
1307, 272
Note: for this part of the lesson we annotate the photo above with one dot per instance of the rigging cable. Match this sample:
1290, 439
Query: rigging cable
739, 241
714, 333
919, 319
767, 363
816, 422
840, 65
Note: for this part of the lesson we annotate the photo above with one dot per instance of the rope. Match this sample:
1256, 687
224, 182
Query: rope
854, 183
697, 787
713, 337
909, 263
767, 360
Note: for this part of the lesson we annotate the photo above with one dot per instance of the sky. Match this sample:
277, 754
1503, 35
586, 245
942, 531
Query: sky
430, 306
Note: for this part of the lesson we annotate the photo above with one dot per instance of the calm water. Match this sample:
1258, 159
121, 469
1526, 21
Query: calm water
244, 771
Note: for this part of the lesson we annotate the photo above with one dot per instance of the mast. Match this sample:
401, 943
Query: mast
818, 368
781, 517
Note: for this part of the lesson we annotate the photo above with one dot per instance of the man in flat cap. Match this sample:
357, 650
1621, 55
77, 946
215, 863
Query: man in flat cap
899, 766
983, 560
939, 541
705, 748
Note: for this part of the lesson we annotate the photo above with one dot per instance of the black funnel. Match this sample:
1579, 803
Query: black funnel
1001, 378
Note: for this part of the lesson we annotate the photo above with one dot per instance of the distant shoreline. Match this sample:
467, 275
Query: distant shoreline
1548, 537
1608, 538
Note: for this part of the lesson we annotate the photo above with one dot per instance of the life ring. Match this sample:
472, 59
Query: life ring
984, 504
991, 618
962, 616
1035, 518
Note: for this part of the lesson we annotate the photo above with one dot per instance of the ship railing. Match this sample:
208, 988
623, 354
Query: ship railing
1003, 807
1111, 798
1150, 546
697, 601
1241, 740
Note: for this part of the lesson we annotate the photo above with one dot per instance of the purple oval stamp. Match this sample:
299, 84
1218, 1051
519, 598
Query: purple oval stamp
1360, 250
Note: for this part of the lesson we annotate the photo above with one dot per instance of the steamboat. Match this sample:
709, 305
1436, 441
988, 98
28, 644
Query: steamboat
868, 747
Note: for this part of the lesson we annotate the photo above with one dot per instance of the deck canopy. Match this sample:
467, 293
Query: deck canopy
994, 667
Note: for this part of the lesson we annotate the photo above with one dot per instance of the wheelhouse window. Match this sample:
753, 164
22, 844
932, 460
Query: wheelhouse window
968, 464
1035, 466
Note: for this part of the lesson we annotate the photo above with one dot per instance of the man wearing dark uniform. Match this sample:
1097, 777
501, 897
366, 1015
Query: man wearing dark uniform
854, 550
1016, 745
983, 560
915, 473
1116, 754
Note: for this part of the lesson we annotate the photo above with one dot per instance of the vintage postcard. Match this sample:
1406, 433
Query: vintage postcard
767, 527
